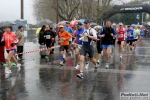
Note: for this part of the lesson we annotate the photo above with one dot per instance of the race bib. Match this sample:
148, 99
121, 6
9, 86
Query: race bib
48, 36
129, 34
85, 39
120, 35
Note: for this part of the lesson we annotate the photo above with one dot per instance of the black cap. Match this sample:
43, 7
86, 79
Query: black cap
79, 23
20, 27
67, 22
87, 21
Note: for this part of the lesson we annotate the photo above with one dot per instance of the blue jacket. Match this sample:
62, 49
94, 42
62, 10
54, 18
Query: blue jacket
130, 32
78, 32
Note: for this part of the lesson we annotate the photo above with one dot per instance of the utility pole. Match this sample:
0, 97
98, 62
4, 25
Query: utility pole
57, 11
22, 9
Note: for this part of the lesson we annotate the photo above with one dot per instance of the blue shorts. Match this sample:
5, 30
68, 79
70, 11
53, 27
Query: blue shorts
11, 50
104, 46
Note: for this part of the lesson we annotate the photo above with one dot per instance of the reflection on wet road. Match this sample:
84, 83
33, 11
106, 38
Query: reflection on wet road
40, 81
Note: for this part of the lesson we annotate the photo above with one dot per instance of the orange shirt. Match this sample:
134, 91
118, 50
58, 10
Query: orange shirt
9, 38
66, 36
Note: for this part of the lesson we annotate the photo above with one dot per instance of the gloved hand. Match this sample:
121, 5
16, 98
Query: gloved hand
13, 44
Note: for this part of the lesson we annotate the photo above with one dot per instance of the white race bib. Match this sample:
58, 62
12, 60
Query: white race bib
48, 36
120, 35
85, 39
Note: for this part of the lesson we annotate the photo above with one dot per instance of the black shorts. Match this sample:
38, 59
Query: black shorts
48, 43
114, 40
62, 48
119, 42
99, 48
87, 50
130, 42
135, 39
70, 42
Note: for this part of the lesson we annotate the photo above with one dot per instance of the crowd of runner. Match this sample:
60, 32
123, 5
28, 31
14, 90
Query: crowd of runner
79, 41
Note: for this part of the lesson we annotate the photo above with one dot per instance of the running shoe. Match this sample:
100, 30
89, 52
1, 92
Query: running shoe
87, 66
80, 76
77, 67
64, 60
7, 70
61, 63
18, 66
97, 64
107, 66
120, 57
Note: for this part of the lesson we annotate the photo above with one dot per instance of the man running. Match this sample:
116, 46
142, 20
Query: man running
69, 30
87, 47
121, 38
130, 39
107, 41
63, 38
136, 36
79, 34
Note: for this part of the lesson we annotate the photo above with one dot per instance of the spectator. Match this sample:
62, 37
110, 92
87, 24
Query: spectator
2, 45
20, 36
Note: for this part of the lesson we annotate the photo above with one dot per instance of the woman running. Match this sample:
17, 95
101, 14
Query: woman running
10, 40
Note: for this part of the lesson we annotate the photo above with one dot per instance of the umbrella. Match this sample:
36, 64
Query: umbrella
73, 23
7, 23
62, 23
45, 22
93, 24
99, 27
38, 31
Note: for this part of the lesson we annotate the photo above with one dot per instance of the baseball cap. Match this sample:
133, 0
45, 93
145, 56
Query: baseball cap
87, 21
114, 24
79, 23
61, 26
67, 22
120, 23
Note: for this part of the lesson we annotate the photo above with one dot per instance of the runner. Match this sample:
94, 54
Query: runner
99, 45
137, 33
63, 38
130, 39
10, 40
115, 31
141, 34
87, 47
107, 41
121, 38
49, 36
70, 30
79, 33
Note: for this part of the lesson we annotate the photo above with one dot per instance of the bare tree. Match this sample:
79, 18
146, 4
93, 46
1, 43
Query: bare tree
70, 9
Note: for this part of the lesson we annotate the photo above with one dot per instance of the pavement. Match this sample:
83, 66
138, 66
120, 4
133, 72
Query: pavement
38, 80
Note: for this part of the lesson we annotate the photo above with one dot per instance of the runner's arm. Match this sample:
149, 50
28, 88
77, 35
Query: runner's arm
94, 35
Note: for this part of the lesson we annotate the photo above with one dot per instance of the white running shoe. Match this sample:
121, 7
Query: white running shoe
107, 66
61, 63
87, 66
18, 66
120, 56
7, 70
77, 67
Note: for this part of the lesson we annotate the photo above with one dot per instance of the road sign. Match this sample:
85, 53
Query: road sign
137, 16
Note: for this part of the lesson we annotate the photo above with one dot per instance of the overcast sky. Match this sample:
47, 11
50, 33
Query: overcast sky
10, 10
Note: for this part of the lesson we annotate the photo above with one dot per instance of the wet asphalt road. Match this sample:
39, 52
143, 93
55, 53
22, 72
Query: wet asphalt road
39, 81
